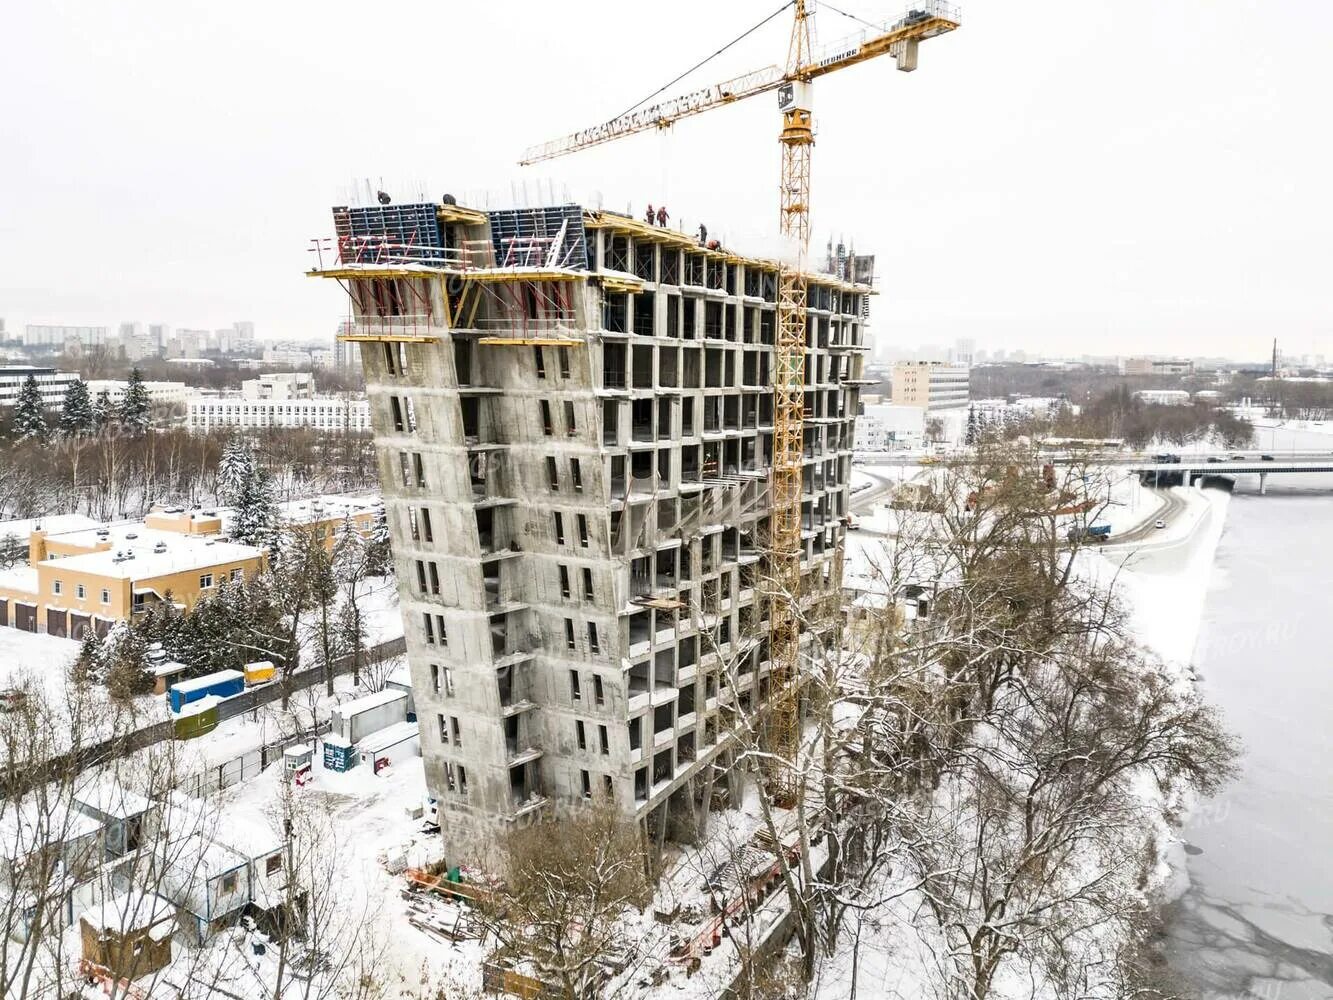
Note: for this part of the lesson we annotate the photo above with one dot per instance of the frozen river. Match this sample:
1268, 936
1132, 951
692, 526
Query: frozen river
1257, 920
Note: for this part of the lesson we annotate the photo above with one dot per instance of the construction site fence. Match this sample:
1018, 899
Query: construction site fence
105, 751
218, 777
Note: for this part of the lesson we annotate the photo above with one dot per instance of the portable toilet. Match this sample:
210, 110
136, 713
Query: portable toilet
296, 758
339, 754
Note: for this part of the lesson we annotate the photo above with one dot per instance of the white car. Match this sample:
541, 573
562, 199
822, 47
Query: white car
1159, 523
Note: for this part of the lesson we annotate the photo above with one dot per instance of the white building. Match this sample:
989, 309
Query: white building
1163, 397
188, 344
294, 357
51, 383
324, 413
159, 393
884, 427
279, 385
57, 337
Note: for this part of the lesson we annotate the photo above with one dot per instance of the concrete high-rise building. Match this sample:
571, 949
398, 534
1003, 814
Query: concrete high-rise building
964, 351
573, 413
935, 385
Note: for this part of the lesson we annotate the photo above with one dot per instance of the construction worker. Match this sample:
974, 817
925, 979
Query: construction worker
703, 234
662, 216
651, 215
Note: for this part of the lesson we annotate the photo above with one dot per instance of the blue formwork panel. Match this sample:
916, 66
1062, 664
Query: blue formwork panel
369, 234
523, 224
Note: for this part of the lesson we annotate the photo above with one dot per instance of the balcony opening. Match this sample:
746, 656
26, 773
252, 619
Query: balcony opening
614, 366
645, 308
643, 366
662, 767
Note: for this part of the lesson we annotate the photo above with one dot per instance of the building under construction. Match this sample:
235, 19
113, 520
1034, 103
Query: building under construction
574, 418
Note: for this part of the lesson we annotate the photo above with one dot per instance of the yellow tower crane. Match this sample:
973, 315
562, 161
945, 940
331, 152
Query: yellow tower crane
794, 85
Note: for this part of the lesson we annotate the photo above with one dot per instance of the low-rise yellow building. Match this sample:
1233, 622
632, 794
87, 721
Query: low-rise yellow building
81, 574
94, 577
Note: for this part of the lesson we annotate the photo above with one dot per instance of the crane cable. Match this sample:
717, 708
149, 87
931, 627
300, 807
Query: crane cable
852, 17
702, 62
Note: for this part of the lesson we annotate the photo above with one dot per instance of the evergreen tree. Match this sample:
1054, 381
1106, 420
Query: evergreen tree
379, 556
971, 426
236, 462
103, 410
76, 413
29, 421
135, 410
255, 521
127, 671
89, 666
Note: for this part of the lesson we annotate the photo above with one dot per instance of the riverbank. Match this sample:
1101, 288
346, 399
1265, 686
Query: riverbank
1253, 915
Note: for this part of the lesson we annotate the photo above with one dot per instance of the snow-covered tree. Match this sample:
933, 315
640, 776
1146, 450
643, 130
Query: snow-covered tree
104, 411
971, 426
351, 565
379, 555
236, 463
76, 412
256, 519
29, 420
135, 411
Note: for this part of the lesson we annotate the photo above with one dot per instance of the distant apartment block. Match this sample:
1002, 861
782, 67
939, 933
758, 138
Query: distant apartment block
322, 413
574, 417
933, 385
159, 393
58, 338
279, 385
50, 382
1157, 366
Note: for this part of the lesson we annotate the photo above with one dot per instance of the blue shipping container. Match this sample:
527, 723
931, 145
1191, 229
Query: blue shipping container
224, 684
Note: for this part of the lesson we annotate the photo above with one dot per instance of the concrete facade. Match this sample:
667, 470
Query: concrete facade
575, 450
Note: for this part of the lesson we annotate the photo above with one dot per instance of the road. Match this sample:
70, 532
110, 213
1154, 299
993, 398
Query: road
864, 502
1175, 506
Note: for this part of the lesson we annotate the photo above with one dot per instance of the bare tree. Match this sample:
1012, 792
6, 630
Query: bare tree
567, 884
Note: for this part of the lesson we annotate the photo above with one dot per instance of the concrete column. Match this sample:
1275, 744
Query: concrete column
1263, 483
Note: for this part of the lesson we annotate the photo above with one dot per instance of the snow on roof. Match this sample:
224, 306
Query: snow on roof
386, 697
26, 829
241, 829
181, 554
399, 732
109, 798
208, 680
22, 578
132, 910
53, 524
322, 508
191, 863
169, 667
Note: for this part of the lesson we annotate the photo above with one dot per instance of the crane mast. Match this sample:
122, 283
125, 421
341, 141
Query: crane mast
794, 85
797, 140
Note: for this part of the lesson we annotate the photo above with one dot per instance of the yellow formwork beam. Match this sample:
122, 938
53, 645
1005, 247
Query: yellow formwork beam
528, 342
385, 338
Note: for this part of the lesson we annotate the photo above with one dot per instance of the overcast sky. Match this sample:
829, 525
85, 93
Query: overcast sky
1104, 176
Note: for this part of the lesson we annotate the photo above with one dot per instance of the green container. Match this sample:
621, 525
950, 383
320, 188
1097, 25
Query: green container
187, 727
